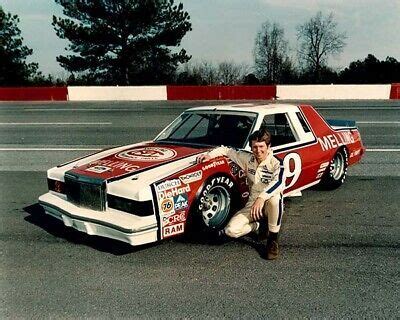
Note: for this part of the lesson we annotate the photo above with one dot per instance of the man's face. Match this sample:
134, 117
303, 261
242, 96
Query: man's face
260, 150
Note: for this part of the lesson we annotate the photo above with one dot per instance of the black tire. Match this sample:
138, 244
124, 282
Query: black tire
336, 172
214, 204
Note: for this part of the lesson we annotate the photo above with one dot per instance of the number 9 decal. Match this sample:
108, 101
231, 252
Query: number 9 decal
292, 164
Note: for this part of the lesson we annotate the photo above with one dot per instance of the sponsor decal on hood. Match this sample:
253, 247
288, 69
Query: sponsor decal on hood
134, 159
147, 154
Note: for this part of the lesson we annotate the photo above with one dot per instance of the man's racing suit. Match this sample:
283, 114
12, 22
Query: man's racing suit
266, 181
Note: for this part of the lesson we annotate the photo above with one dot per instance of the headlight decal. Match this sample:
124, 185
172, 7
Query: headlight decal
56, 185
138, 208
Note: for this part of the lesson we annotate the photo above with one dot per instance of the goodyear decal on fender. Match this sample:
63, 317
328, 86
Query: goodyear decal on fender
213, 165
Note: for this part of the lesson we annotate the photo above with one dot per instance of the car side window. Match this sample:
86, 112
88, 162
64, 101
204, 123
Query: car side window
303, 122
279, 127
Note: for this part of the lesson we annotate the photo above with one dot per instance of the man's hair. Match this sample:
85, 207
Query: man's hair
260, 136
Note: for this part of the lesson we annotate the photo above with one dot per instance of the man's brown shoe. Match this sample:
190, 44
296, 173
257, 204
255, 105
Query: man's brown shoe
272, 250
262, 232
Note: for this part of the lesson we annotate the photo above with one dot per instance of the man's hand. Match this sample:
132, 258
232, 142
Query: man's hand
203, 158
257, 209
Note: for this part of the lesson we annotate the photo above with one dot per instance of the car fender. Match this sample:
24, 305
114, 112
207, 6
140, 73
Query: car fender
176, 194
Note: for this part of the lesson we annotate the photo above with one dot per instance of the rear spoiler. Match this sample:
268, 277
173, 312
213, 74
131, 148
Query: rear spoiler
342, 124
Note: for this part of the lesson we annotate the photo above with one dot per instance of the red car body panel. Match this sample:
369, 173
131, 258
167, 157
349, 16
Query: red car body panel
133, 160
189, 183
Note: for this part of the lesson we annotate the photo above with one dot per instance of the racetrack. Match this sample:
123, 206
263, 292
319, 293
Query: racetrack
340, 248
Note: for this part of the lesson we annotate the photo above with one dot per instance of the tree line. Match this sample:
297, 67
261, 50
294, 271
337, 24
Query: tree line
137, 42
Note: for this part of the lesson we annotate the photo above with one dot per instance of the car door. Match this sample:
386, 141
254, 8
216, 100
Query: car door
292, 141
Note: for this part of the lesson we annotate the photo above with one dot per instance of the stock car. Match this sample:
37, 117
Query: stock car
146, 192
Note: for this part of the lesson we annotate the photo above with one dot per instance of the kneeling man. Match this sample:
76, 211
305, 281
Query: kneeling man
266, 179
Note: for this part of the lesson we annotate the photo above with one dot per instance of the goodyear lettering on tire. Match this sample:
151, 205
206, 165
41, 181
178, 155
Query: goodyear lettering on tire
225, 181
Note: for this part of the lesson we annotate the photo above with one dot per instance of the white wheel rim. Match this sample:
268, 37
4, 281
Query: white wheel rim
338, 166
216, 207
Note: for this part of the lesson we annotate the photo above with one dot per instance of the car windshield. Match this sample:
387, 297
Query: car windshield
210, 128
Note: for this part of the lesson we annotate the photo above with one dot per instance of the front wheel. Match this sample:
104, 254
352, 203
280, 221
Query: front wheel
214, 203
337, 171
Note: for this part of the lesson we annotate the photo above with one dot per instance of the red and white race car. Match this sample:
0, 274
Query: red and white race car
150, 191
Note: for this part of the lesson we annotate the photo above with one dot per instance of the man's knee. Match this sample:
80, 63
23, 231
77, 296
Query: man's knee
233, 231
237, 226
274, 201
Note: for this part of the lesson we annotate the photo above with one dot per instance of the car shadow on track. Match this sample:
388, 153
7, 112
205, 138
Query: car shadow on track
57, 229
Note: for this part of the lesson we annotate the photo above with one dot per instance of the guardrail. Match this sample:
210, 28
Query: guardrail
34, 94
162, 93
333, 92
108, 93
395, 91
221, 92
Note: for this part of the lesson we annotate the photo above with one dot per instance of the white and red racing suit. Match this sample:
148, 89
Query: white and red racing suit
266, 180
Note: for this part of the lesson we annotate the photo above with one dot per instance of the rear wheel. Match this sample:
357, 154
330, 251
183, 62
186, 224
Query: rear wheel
337, 171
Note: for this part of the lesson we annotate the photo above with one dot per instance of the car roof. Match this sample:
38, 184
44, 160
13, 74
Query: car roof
249, 107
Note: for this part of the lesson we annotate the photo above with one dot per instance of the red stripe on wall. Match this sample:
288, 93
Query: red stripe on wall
34, 94
221, 92
395, 91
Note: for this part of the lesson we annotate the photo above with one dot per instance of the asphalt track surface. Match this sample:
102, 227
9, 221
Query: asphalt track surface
340, 255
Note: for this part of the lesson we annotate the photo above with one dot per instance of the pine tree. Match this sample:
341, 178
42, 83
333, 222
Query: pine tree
123, 42
13, 67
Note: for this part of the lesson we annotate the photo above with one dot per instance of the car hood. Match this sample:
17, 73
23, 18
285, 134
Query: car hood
133, 160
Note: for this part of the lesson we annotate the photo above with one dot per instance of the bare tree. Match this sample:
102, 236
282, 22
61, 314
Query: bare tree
208, 73
270, 53
318, 39
230, 73
198, 73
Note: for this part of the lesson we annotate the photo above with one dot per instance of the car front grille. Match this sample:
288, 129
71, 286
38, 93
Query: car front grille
86, 192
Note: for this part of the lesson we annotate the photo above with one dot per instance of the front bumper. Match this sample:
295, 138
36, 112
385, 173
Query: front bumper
111, 223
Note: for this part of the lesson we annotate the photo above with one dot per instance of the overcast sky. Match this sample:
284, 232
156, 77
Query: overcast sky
224, 30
